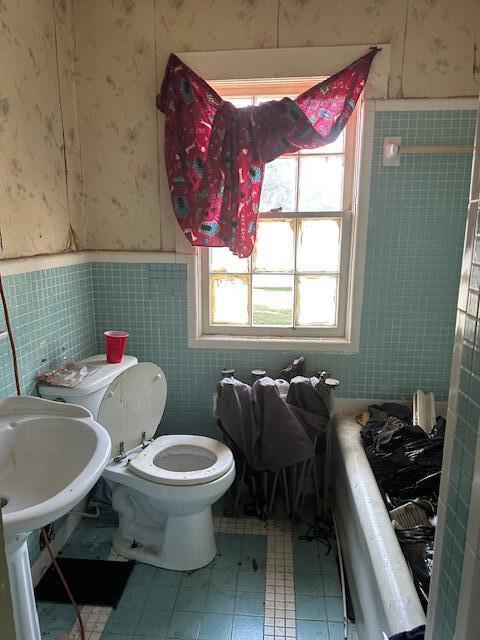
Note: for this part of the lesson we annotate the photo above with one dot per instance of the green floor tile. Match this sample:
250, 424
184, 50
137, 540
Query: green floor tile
247, 628
310, 608
166, 578
252, 560
184, 625
227, 559
331, 584
312, 630
307, 563
134, 595
55, 617
250, 603
142, 574
251, 581
334, 608
161, 598
216, 626
89, 543
123, 620
191, 599
329, 563
223, 580
309, 584
220, 601
335, 630
153, 624
229, 541
254, 543
199, 579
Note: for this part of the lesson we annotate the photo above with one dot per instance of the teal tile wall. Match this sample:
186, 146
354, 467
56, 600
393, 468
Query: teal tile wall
51, 312
463, 460
415, 239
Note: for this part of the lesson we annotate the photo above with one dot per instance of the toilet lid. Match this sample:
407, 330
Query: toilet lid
183, 460
133, 403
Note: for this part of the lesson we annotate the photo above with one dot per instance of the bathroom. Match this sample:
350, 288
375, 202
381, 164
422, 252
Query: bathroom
89, 242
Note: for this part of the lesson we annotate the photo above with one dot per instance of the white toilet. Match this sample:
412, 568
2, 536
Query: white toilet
163, 488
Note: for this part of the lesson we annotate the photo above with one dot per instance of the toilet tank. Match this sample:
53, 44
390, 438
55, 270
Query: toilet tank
89, 393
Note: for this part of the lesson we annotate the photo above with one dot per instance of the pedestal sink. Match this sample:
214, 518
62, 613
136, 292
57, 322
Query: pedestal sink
51, 455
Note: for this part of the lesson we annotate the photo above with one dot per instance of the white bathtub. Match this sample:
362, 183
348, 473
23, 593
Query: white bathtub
381, 586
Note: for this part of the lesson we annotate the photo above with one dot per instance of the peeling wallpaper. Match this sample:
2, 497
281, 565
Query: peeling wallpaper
34, 212
123, 48
99, 63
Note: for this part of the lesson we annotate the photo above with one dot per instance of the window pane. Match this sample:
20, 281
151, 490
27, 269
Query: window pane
274, 246
272, 301
318, 244
240, 102
278, 188
335, 147
263, 99
222, 260
321, 183
316, 301
229, 299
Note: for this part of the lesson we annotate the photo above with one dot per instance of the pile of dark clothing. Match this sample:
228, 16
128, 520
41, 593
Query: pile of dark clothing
274, 423
407, 461
415, 634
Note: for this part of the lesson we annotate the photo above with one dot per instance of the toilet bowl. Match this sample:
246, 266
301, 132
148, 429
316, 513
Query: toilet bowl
163, 488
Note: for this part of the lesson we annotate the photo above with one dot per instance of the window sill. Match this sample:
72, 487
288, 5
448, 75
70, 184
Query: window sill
330, 345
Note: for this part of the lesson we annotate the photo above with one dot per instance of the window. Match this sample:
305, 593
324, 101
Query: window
296, 282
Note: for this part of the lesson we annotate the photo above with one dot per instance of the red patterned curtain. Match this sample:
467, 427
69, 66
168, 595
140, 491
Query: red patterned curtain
216, 153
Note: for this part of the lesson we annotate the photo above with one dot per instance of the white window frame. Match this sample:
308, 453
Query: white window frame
299, 63
286, 332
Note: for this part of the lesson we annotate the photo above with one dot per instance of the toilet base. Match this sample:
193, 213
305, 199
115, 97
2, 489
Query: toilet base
186, 542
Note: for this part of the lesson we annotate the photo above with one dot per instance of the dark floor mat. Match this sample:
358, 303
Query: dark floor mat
98, 583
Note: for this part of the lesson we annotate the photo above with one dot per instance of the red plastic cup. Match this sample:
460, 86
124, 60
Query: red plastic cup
115, 343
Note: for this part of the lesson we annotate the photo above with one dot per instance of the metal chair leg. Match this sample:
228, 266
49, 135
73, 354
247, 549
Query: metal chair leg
298, 488
315, 483
274, 490
241, 480
285, 489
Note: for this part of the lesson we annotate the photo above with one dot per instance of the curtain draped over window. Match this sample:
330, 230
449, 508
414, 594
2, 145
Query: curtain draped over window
216, 153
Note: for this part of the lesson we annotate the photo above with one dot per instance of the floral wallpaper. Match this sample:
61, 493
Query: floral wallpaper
116, 86
82, 75
66, 52
34, 213
123, 47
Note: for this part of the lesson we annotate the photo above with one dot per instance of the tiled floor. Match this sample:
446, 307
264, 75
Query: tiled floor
264, 584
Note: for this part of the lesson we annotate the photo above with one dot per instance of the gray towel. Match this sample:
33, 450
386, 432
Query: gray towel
284, 440
271, 433
235, 410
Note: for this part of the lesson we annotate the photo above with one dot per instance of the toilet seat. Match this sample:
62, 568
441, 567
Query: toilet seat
182, 460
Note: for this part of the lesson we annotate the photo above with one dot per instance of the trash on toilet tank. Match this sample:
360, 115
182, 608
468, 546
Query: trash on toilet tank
66, 374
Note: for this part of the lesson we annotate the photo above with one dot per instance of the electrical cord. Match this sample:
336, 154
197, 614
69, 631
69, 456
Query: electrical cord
19, 393
64, 583
320, 532
10, 337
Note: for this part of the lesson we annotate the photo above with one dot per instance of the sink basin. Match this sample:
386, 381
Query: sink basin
51, 455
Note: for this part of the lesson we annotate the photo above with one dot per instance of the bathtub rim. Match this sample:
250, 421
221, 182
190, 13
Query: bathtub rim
399, 599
